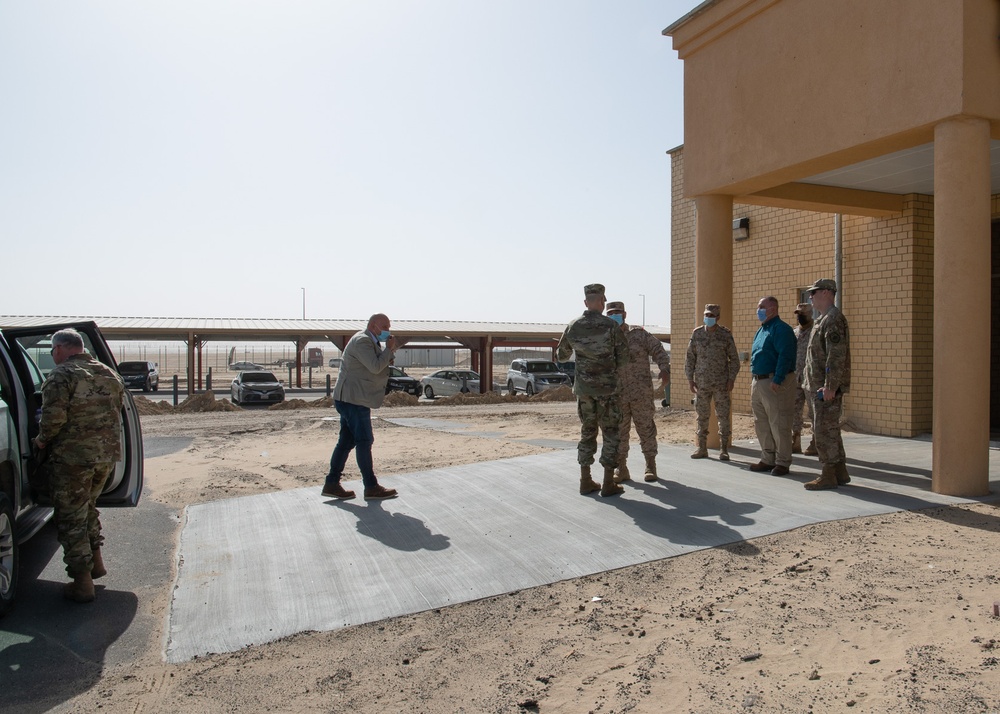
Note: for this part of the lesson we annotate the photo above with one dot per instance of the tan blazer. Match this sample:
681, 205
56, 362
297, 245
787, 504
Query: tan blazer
363, 373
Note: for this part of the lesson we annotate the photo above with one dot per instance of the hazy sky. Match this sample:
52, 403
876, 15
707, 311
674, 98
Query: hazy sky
441, 160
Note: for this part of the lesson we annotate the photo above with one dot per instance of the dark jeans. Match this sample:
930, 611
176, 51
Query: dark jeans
355, 433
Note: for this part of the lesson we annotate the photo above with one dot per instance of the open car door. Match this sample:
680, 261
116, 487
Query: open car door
30, 351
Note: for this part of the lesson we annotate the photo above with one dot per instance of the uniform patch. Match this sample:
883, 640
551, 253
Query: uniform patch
835, 338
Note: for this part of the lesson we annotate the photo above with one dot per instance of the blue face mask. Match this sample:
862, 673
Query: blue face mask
382, 336
709, 322
761, 314
617, 318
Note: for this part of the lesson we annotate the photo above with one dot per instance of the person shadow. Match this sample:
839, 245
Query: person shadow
52, 649
394, 530
684, 515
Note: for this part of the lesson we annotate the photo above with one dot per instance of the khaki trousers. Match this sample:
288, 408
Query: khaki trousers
772, 419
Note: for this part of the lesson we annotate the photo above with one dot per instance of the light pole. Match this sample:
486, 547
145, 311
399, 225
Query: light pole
643, 309
303, 303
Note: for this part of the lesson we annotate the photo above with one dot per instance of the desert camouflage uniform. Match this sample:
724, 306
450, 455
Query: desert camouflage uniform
601, 351
828, 365
637, 390
801, 344
81, 429
712, 362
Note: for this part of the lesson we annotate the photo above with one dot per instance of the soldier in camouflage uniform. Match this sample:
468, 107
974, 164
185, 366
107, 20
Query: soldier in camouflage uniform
601, 352
80, 429
804, 316
711, 367
637, 392
827, 379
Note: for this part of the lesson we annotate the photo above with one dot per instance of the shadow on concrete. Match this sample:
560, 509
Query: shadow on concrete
685, 516
394, 530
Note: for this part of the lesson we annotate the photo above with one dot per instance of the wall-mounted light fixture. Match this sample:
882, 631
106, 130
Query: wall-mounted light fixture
741, 228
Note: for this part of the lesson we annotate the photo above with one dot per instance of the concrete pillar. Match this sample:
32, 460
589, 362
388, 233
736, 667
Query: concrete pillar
713, 268
961, 307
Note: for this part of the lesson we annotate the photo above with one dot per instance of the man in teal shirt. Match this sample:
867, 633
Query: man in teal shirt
772, 393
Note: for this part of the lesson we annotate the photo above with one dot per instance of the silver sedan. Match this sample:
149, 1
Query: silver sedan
446, 382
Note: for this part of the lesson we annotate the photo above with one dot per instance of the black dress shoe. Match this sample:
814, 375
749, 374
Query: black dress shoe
779, 471
761, 466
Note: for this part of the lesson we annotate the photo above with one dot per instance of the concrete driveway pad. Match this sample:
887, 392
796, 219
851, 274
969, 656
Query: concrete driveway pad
258, 568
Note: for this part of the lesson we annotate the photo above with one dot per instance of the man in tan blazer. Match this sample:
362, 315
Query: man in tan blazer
361, 388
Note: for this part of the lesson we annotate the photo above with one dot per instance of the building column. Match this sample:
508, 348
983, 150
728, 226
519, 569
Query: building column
713, 268
961, 307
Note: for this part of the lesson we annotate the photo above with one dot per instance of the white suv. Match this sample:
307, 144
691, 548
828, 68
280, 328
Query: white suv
535, 375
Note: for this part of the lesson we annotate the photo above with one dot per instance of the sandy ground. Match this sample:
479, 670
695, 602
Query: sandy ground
886, 614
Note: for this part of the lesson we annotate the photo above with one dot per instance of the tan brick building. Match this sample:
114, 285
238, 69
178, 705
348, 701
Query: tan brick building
874, 126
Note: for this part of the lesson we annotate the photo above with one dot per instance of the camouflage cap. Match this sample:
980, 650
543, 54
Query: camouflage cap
617, 305
712, 309
593, 289
823, 284
804, 308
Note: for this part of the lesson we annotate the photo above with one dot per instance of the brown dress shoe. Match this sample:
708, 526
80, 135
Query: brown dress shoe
780, 470
338, 491
761, 466
380, 492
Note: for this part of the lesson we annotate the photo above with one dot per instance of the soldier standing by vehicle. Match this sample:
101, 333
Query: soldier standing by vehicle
601, 352
711, 366
80, 429
828, 378
804, 316
637, 392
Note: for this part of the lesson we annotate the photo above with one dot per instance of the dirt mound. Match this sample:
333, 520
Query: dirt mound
476, 398
559, 394
303, 404
399, 399
206, 402
145, 406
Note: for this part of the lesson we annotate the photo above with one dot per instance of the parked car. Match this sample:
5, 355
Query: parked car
446, 382
25, 361
336, 361
400, 381
535, 375
140, 375
242, 366
258, 387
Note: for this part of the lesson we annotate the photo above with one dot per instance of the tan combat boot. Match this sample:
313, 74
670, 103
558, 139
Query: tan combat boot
811, 449
81, 589
827, 479
702, 451
98, 571
650, 474
622, 474
724, 449
843, 478
796, 442
610, 488
587, 484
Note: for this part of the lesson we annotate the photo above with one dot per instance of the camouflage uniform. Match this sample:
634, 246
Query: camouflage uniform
828, 365
601, 352
712, 362
637, 389
81, 429
801, 344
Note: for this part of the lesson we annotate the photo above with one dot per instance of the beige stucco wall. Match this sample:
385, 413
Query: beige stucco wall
756, 116
887, 296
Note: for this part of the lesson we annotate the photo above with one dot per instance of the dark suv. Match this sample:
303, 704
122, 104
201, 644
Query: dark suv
25, 361
400, 381
140, 375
